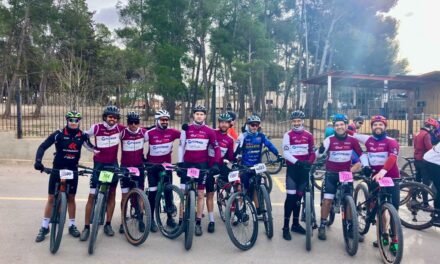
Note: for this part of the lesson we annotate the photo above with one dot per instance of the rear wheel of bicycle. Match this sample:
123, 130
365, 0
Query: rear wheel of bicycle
308, 213
241, 221
331, 217
271, 161
416, 205
97, 214
389, 234
360, 198
405, 171
136, 217
222, 198
57, 222
190, 219
168, 209
266, 210
267, 181
350, 225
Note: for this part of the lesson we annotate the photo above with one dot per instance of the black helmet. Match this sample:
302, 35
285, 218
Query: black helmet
358, 119
133, 116
297, 114
111, 110
233, 115
199, 108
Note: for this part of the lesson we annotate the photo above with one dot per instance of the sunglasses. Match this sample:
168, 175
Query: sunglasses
112, 117
164, 120
254, 125
73, 120
361, 123
133, 122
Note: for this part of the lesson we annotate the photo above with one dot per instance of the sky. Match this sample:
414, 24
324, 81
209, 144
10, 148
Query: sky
418, 34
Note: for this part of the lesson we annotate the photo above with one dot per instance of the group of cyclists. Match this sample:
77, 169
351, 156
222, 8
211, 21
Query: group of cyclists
206, 149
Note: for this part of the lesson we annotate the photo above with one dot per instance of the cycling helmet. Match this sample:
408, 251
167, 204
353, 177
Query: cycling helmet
431, 122
340, 117
199, 108
73, 114
358, 119
253, 119
111, 110
224, 117
378, 118
161, 113
133, 116
233, 115
297, 114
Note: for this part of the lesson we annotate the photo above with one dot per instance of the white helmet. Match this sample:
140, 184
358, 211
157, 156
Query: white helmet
161, 113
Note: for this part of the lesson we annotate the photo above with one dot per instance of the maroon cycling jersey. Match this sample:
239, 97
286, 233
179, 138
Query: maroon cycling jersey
226, 145
132, 147
352, 127
298, 145
106, 141
340, 151
160, 144
194, 144
422, 143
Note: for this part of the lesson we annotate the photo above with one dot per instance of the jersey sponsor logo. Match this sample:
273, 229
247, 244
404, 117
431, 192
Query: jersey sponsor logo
107, 141
300, 149
340, 156
72, 146
132, 145
196, 144
377, 158
161, 149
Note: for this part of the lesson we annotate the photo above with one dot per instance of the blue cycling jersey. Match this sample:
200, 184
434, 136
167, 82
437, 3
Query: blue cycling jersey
249, 146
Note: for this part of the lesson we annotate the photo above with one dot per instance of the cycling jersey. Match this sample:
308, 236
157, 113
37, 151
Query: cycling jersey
433, 155
298, 146
226, 145
352, 127
106, 141
233, 133
340, 152
194, 142
132, 147
329, 131
160, 143
422, 143
249, 146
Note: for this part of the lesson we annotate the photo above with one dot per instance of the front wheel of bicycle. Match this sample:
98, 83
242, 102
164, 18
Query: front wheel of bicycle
350, 225
416, 205
266, 210
308, 213
389, 234
168, 208
136, 217
360, 200
57, 222
190, 219
97, 214
271, 161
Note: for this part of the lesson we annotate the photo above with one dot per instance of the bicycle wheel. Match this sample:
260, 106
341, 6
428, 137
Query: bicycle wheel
308, 213
266, 210
57, 222
271, 161
318, 174
222, 193
331, 218
136, 217
405, 171
97, 214
190, 218
415, 212
267, 181
168, 209
360, 200
350, 226
241, 221
391, 228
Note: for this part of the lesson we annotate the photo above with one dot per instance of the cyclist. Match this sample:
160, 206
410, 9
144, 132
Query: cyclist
107, 137
231, 130
193, 153
298, 151
357, 124
160, 146
226, 144
68, 143
432, 158
340, 147
249, 147
132, 147
422, 144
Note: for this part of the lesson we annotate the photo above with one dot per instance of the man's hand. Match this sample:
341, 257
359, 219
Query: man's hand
39, 166
379, 175
214, 169
321, 149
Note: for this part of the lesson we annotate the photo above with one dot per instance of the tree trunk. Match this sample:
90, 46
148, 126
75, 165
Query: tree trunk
40, 98
327, 44
251, 89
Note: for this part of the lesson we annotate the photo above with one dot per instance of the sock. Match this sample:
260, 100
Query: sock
45, 222
107, 223
71, 222
152, 200
198, 221
211, 216
288, 207
323, 222
86, 226
296, 209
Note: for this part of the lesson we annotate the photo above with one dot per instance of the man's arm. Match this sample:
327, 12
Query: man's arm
182, 143
286, 149
270, 146
239, 146
45, 145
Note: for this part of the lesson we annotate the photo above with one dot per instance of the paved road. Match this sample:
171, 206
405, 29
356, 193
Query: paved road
22, 197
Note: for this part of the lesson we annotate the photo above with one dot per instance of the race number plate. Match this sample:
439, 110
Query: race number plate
233, 176
260, 168
386, 182
193, 173
345, 176
134, 171
66, 174
106, 176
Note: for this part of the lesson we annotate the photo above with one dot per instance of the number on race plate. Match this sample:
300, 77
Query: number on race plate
105, 176
134, 171
167, 166
66, 174
260, 168
234, 176
386, 182
345, 176
193, 173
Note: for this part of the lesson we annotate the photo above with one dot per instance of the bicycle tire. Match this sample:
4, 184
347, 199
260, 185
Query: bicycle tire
308, 213
137, 195
99, 207
170, 233
58, 221
267, 181
351, 243
266, 208
273, 166
394, 218
233, 206
405, 171
190, 219
408, 204
222, 198
362, 208
317, 177
331, 219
